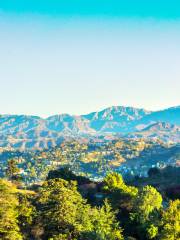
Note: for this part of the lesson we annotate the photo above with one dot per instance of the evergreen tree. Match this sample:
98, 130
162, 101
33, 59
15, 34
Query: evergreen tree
170, 222
12, 169
9, 229
66, 215
145, 212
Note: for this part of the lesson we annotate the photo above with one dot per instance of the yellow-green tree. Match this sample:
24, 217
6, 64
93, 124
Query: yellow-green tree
114, 183
26, 214
66, 215
105, 226
9, 229
12, 169
147, 201
146, 212
170, 222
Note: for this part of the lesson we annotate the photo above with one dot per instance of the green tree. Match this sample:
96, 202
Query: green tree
114, 181
147, 201
105, 225
66, 215
12, 169
152, 231
60, 203
9, 229
145, 212
33, 173
119, 194
170, 222
27, 213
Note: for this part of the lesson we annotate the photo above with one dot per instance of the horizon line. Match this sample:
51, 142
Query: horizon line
76, 115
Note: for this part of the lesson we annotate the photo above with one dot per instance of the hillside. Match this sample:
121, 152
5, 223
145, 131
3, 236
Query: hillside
32, 132
129, 157
165, 131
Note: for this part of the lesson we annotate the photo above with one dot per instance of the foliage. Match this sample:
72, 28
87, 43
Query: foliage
59, 203
66, 174
147, 201
152, 231
9, 229
114, 182
63, 211
56, 210
145, 212
105, 225
27, 212
170, 222
92, 159
12, 169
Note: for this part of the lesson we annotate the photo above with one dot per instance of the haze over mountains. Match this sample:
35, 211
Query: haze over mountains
32, 132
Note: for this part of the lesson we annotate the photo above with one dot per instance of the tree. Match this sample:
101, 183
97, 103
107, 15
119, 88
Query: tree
147, 201
145, 212
33, 173
9, 229
26, 214
117, 188
105, 225
12, 169
114, 181
66, 174
66, 215
151, 231
59, 204
170, 222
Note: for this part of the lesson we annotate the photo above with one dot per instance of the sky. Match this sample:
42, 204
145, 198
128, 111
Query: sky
76, 56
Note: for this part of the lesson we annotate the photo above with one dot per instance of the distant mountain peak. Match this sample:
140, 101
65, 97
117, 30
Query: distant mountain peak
162, 126
35, 132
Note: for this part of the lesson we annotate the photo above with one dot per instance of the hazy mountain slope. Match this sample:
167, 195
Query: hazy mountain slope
69, 124
170, 115
34, 132
164, 131
12, 124
115, 119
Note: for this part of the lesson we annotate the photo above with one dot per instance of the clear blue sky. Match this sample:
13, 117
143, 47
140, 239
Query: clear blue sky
70, 56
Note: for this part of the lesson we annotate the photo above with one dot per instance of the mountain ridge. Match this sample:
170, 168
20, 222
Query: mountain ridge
113, 120
104, 109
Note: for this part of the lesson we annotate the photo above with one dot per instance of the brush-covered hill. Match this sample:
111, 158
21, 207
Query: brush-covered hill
160, 130
32, 132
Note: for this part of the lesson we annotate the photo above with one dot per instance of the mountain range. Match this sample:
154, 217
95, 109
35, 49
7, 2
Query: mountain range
32, 132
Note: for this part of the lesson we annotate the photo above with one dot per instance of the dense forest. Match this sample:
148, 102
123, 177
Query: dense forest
71, 207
